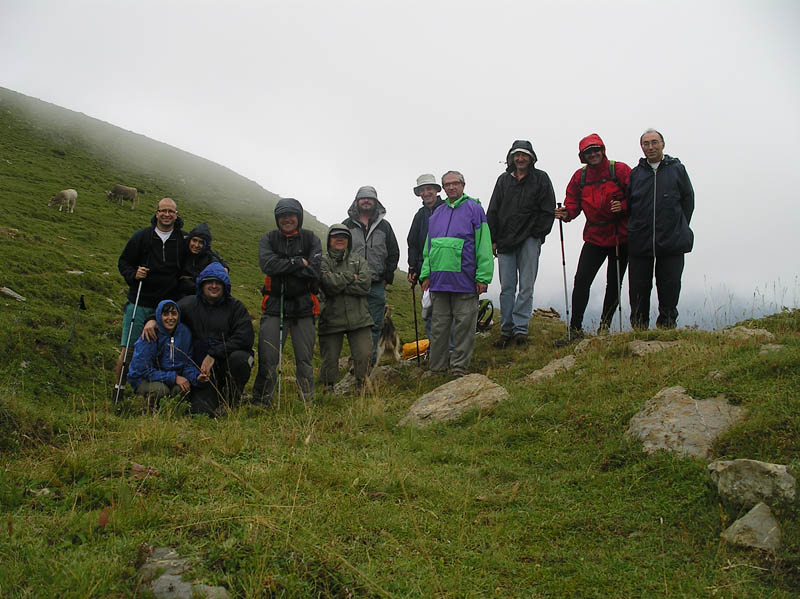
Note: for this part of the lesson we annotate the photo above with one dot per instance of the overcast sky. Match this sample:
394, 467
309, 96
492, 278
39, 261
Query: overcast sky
313, 99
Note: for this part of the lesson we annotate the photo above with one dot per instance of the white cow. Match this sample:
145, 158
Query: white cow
65, 198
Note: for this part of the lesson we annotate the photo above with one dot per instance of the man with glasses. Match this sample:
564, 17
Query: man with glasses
457, 267
149, 263
598, 190
660, 206
520, 216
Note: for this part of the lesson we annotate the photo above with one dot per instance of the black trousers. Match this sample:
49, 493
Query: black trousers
592, 258
668, 270
228, 378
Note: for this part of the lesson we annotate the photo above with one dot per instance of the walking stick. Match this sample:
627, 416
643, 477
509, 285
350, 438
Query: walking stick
416, 329
128, 343
280, 351
564, 267
81, 306
619, 282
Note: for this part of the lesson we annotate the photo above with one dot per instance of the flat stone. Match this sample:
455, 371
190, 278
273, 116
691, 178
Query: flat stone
454, 399
745, 334
770, 348
749, 482
552, 369
757, 529
642, 348
11, 293
163, 574
674, 421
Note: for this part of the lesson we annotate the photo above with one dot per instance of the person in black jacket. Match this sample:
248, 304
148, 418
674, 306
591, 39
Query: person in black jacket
149, 263
428, 189
222, 340
660, 206
198, 254
520, 216
290, 257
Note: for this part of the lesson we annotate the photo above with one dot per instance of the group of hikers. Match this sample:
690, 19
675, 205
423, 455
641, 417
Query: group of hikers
193, 338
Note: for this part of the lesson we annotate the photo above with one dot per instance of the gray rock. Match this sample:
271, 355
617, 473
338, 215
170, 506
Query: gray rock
379, 377
770, 348
716, 375
745, 334
642, 348
552, 369
163, 573
674, 421
757, 529
748, 482
452, 400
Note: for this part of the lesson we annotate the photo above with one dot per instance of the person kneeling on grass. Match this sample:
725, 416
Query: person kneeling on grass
164, 367
346, 282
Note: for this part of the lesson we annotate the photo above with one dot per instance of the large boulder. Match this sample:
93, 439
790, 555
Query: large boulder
454, 399
674, 421
757, 529
552, 369
748, 482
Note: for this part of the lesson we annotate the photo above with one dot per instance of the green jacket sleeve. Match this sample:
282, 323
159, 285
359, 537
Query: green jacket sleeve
484, 259
363, 283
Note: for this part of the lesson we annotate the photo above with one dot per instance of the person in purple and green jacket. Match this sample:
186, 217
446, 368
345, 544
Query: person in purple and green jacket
457, 267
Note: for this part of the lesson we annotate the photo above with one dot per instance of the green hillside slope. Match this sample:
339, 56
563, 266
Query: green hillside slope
540, 497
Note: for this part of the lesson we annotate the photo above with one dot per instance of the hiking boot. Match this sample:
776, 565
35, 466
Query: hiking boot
574, 336
604, 329
502, 342
457, 373
520, 339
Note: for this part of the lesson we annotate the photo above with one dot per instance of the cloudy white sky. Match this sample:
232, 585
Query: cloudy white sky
313, 99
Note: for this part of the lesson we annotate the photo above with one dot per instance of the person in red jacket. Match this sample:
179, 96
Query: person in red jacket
598, 190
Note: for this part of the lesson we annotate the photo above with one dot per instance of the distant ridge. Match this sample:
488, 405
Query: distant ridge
145, 160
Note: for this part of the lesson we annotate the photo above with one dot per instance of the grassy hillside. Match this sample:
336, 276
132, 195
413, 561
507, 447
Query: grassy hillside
540, 498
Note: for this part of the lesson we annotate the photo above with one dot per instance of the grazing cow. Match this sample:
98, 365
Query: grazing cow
121, 193
65, 198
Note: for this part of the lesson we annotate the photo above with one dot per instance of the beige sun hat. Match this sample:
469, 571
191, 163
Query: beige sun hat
426, 179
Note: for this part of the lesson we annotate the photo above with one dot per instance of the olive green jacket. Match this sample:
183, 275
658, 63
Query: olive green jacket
345, 307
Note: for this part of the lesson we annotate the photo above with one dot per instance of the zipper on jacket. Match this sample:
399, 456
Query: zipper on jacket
172, 349
655, 197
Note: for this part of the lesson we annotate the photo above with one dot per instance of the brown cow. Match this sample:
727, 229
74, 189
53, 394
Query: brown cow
65, 198
121, 193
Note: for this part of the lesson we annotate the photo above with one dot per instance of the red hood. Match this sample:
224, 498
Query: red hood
588, 141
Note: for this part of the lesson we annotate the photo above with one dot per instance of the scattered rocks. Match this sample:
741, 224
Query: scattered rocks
674, 421
748, 482
547, 313
642, 348
163, 573
552, 369
9, 231
74, 272
745, 334
716, 375
757, 529
454, 399
12, 293
770, 348
379, 376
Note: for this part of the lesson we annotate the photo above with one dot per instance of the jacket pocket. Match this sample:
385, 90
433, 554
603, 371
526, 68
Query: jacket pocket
445, 254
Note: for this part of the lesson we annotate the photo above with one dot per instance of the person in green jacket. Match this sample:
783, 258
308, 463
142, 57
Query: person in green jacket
346, 281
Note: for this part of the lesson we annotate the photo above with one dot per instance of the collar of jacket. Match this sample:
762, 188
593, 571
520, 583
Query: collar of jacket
456, 203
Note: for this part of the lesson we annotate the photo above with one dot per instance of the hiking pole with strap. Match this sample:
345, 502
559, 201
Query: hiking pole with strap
564, 268
81, 306
280, 349
128, 343
416, 328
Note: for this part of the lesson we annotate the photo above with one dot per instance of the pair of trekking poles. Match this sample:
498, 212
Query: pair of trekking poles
564, 269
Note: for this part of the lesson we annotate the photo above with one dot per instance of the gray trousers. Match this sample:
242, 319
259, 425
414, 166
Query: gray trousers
303, 336
456, 312
330, 347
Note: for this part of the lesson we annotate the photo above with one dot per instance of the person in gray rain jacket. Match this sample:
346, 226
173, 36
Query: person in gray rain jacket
346, 281
374, 240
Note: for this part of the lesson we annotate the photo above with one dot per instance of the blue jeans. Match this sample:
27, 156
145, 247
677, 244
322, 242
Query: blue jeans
521, 266
376, 300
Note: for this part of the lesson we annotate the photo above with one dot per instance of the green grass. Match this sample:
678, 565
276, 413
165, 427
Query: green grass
542, 497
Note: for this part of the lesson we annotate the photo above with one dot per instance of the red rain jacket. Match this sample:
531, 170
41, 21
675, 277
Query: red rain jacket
603, 227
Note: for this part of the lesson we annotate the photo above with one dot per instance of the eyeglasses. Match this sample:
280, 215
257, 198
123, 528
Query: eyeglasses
167, 211
452, 184
592, 150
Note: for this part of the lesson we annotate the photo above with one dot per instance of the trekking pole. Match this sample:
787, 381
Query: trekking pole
127, 343
81, 306
280, 351
416, 329
564, 268
619, 283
